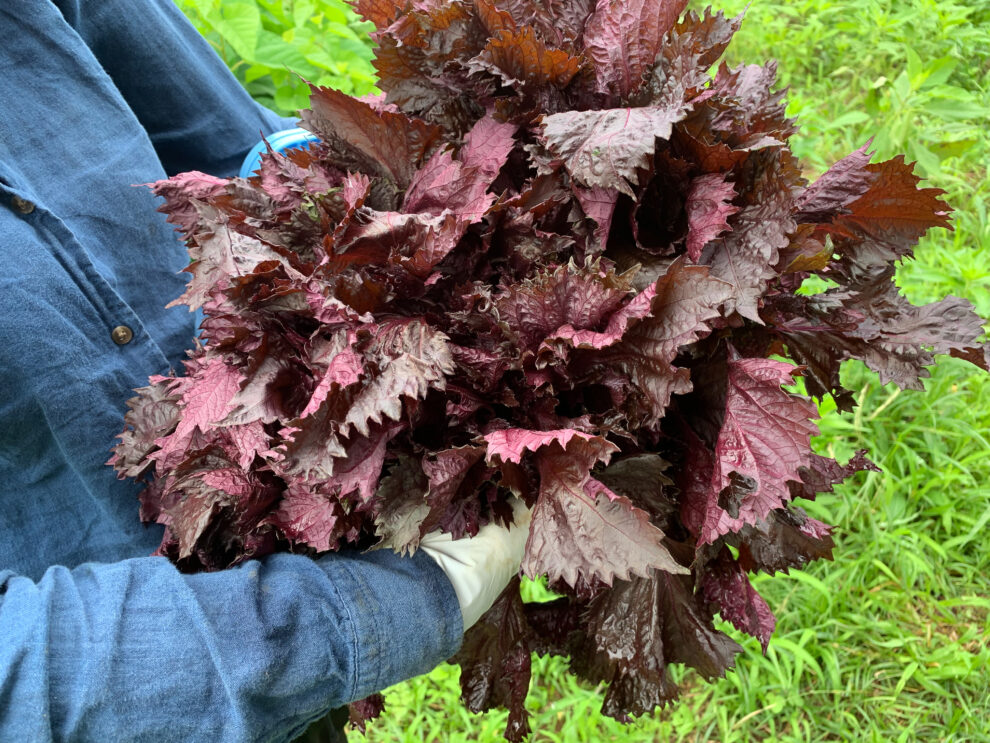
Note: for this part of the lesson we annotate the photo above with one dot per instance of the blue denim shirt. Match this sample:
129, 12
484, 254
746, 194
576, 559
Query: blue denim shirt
99, 641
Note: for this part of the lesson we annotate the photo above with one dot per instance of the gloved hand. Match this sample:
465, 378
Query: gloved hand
480, 567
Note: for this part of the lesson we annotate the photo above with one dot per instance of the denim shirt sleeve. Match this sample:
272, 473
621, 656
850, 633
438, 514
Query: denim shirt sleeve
97, 640
136, 651
197, 115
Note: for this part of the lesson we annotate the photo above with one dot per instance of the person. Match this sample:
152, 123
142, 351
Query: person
99, 640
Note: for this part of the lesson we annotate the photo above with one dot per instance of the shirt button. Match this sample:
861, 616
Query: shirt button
121, 335
22, 205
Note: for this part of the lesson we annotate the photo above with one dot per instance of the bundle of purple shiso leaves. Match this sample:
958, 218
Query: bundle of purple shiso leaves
557, 259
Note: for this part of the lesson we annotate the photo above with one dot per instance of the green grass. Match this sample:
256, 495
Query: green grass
891, 641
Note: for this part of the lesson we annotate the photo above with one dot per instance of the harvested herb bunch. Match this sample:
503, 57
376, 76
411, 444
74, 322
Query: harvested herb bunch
557, 259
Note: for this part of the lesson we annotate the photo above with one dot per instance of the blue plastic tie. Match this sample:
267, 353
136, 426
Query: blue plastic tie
286, 139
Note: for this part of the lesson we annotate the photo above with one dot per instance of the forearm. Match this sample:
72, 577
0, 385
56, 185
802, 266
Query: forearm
138, 651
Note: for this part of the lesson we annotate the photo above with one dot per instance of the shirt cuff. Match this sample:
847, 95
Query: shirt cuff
404, 612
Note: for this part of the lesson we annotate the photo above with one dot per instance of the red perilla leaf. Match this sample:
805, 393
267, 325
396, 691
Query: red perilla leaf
495, 662
636, 630
616, 539
557, 259
380, 143
764, 441
726, 585
521, 58
608, 148
839, 186
682, 302
709, 205
623, 38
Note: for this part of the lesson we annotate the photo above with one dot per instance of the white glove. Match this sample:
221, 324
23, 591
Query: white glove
479, 567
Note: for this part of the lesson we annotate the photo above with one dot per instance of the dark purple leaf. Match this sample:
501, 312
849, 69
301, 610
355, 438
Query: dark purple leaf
638, 628
726, 586
495, 662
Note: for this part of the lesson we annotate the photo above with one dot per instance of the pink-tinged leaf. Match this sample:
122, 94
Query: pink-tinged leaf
181, 192
764, 442
454, 475
709, 206
309, 446
433, 244
151, 415
684, 302
598, 204
726, 585
258, 398
460, 186
607, 148
411, 358
360, 468
747, 255
307, 515
417, 242
220, 254
510, 444
437, 181
483, 367
401, 507
623, 38
248, 441
487, 146
192, 501
341, 367
571, 296
287, 178
567, 336
189, 518
208, 398
233, 482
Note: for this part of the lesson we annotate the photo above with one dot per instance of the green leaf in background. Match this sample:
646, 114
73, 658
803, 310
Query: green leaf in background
272, 44
239, 24
273, 51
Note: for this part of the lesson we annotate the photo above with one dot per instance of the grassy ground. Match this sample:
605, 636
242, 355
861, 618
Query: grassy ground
891, 641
